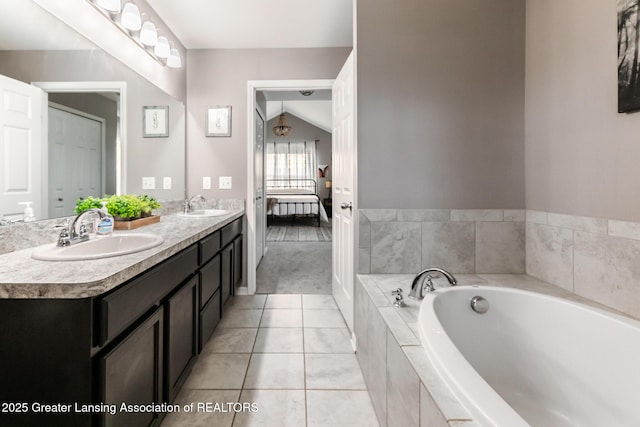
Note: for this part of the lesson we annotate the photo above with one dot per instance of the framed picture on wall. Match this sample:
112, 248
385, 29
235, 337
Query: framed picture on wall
155, 121
218, 121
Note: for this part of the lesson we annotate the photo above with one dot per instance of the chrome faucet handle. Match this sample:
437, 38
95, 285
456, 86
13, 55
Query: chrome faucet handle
428, 283
64, 238
399, 301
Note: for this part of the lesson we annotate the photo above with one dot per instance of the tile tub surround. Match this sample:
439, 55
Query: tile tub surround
298, 375
595, 258
23, 277
460, 240
404, 388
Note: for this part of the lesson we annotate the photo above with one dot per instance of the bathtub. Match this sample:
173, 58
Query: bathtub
533, 359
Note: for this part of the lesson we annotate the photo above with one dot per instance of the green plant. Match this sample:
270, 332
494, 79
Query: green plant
86, 204
125, 206
148, 204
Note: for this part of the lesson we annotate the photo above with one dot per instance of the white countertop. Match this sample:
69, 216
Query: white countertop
24, 277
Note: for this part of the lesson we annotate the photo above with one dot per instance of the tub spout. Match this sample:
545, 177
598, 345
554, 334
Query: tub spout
422, 282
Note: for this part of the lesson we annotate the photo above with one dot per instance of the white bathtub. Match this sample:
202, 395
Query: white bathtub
533, 359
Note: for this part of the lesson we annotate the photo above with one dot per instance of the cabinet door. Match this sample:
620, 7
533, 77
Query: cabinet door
131, 373
181, 336
237, 262
209, 280
226, 275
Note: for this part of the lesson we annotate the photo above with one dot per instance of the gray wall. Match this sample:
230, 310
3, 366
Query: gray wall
440, 103
219, 77
102, 107
581, 155
305, 131
145, 156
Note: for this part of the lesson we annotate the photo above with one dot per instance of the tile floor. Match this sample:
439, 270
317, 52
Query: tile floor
289, 354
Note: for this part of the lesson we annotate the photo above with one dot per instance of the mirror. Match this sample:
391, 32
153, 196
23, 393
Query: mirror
85, 89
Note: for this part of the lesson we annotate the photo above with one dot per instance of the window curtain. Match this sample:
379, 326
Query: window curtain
291, 162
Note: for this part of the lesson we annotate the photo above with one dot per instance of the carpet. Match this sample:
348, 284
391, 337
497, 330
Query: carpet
298, 233
295, 268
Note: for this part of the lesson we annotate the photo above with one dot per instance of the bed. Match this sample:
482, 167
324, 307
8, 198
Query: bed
294, 198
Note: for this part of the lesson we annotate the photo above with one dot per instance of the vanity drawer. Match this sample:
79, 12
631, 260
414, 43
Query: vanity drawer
209, 279
230, 231
209, 318
123, 307
209, 246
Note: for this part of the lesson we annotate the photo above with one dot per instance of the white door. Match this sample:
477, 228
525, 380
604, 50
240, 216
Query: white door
20, 147
259, 188
75, 160
344, 188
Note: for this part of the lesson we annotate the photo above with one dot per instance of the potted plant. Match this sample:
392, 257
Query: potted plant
129, 210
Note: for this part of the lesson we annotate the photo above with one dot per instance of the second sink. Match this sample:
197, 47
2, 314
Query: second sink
203, 213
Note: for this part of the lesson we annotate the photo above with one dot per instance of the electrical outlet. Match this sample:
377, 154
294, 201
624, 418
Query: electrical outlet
148, 183
225, 183
166, 183
206, 183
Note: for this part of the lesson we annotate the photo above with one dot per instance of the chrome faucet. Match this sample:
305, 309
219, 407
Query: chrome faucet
422, 282
72, 233
188, 204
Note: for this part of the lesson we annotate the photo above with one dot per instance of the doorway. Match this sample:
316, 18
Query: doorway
253, 87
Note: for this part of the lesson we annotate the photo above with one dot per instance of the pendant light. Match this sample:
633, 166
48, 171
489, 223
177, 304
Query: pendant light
282, 129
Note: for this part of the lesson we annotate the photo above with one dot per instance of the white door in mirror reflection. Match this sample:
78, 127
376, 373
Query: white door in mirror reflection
261, 215
75, 160
20, 148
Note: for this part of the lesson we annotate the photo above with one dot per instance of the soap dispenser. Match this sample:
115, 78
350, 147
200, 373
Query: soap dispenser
104, 228
28, 212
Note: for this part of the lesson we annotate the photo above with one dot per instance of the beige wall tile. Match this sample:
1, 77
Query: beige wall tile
500, 247
477, 215
550, 254
578, 223
449, 245
395, 247
403, 388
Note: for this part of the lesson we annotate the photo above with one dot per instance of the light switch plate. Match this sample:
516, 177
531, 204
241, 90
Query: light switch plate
166, 183
206, 183
225, 183
148, 183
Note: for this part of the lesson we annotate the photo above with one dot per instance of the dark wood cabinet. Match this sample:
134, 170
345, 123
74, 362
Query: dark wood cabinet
131, 372
181, 343
134, 344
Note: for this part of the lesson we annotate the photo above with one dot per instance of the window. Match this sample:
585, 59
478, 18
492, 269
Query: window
291, 165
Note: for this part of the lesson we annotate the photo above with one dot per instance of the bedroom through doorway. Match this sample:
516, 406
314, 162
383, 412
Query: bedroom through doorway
293, 174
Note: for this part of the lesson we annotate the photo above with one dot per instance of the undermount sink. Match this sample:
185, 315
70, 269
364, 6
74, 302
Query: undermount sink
105, 247
204, 213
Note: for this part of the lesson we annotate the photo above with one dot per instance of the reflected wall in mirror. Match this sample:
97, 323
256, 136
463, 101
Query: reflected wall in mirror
34, 48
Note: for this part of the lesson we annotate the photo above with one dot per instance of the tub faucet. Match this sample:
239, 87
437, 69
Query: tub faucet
422, 282
188, 204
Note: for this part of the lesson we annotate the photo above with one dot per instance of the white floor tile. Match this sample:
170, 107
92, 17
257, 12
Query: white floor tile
218, 371
323, 319
279, 340
275, 371
282, 318
202, 419
333, 372
340, 408
276, 408
284, 301
244, 302
327, 340
231, 340
240, 319
319, 302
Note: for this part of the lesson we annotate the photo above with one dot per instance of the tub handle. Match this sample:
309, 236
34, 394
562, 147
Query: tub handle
479, 304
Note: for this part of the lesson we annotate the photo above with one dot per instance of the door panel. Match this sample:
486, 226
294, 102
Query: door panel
259, 186
344, 191
21, 154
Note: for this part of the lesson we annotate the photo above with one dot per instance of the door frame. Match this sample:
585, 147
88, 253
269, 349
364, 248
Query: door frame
263, 116
253, 86
119, 87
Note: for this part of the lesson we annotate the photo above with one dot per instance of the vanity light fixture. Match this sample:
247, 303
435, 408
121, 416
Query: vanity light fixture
112, 6
130, 17
282, 129
149, 34
145, 35
174, 60
162, 49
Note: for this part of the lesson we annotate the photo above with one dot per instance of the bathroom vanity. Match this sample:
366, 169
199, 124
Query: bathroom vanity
85, 335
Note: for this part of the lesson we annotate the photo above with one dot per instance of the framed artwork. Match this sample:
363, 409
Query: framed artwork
155, 121
218, 121
628, 66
